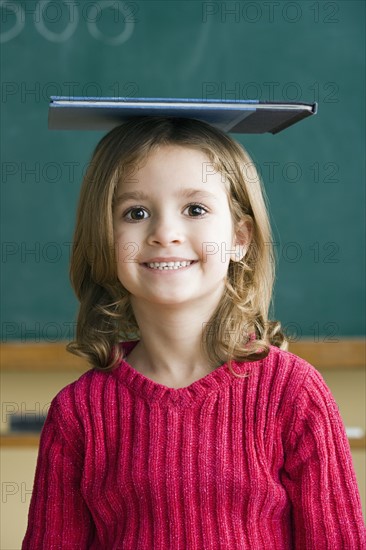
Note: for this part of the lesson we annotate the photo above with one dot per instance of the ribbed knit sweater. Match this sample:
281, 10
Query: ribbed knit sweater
261, 462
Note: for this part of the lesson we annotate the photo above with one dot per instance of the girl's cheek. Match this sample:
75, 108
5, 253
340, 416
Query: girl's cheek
126, 251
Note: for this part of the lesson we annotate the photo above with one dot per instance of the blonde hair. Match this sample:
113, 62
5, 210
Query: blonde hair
239, 329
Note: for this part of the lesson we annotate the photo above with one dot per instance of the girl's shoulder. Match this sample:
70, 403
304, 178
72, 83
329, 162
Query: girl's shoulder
75, 406
284, 362
90, 377
288, 379
81, 392
301, 382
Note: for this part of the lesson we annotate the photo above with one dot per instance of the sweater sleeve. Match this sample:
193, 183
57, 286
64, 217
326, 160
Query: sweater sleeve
319, 475
58, 517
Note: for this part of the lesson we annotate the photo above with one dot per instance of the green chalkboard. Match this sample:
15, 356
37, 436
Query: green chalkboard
313, 172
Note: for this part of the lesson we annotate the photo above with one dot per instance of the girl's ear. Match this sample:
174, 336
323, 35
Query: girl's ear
242, 239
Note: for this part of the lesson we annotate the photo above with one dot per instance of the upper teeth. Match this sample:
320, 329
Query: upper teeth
168, 265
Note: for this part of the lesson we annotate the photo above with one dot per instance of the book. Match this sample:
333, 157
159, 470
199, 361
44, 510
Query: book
239, 116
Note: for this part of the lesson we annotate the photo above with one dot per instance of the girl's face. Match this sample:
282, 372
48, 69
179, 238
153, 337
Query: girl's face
173, 209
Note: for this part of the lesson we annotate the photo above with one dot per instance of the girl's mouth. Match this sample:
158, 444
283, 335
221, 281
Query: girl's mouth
169, 266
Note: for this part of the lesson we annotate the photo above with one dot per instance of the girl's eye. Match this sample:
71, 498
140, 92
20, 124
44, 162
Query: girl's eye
196, 207
137, 213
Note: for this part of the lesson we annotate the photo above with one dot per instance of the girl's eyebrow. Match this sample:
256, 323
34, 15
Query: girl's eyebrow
187, 193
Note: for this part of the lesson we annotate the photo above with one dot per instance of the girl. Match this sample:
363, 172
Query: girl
195, 429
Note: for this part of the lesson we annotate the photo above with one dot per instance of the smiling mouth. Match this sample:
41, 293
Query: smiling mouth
169, 266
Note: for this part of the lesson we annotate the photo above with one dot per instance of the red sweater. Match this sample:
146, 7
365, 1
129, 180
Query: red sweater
258, 463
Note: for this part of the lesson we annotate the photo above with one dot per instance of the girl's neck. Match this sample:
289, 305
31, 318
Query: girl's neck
170, 344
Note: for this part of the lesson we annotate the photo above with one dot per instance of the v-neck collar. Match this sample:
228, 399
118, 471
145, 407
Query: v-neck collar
193, 394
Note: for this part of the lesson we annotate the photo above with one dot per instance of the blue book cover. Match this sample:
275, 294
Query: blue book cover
241, 116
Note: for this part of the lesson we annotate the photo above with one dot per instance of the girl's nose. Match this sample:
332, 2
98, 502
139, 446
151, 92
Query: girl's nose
164, 232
